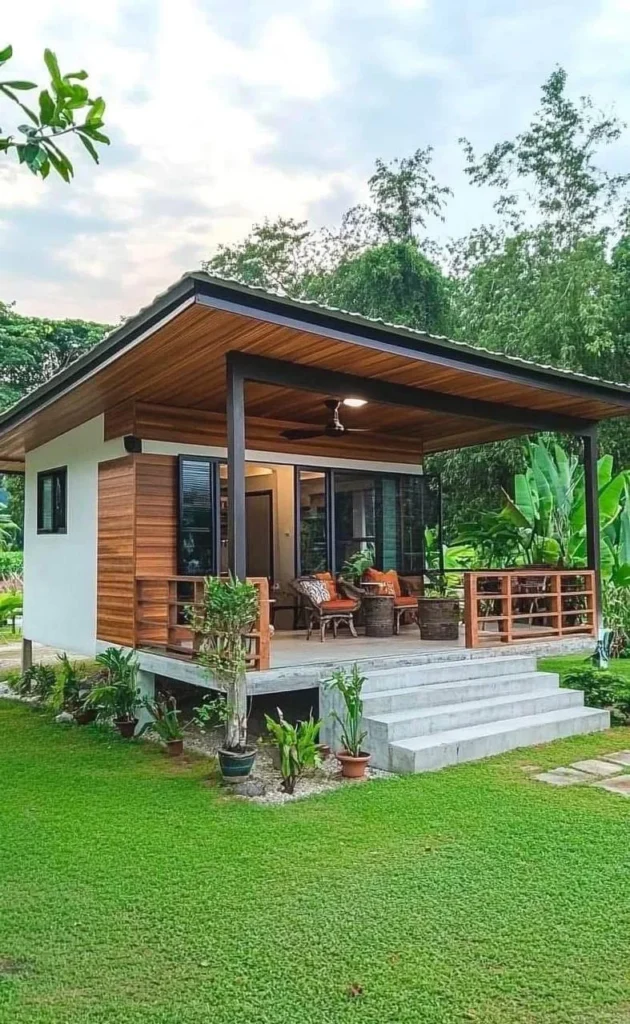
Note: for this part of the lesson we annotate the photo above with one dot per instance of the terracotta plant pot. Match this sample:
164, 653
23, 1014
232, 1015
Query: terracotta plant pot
174, 748
353, 767
235, 767
86, 716
126, 727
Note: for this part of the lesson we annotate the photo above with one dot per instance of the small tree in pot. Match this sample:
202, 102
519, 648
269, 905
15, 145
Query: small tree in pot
352, 758
118, 697
229, 610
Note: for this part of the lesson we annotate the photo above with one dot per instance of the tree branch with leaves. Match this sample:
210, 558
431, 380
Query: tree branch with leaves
36, 143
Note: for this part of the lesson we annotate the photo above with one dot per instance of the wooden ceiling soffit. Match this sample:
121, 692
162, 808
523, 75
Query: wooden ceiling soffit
196, 426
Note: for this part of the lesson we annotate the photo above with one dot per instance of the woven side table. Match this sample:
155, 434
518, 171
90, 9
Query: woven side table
378, 610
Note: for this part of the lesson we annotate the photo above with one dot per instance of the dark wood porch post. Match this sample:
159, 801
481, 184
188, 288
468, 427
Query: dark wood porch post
237, 541
591, 493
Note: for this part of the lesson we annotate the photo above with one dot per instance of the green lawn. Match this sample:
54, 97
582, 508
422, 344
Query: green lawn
573, 662
130, 892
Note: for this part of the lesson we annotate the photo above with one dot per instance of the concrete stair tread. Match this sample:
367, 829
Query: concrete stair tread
456, 684
426, 668
432, 740
389, 717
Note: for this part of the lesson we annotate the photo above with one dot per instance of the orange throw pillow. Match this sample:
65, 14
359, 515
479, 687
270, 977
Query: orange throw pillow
389, 582
328, 580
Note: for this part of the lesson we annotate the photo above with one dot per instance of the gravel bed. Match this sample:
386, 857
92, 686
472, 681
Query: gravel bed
266, 778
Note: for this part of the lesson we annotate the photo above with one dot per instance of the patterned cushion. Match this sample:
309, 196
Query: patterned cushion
315, 589
342, 604
389, 582
329, 582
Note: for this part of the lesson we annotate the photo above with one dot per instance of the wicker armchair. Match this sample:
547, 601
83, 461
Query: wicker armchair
405, 601
322, 609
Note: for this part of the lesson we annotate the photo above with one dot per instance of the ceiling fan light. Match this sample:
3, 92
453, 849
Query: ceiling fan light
355, 403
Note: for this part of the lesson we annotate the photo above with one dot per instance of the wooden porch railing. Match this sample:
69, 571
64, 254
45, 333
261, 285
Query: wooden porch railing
528, 604
160, 616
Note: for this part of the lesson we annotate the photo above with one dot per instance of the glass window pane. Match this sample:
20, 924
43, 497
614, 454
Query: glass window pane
195, 552
313, 521
46, 510
355, 509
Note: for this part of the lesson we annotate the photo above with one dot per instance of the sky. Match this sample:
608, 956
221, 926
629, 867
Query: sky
222, 112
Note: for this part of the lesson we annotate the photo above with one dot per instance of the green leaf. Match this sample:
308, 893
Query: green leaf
61, 164
81, 75
94, 134
6, 54
46, 107
96, 111
90, 148
51, 63
21, 85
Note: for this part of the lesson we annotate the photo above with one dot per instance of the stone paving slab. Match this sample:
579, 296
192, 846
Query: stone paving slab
564, 777
620, 785
593, 766
619, 757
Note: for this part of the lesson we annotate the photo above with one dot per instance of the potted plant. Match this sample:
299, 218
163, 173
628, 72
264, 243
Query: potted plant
165, 723
438, 610
352, 758
296, 745
117, 696
222, 625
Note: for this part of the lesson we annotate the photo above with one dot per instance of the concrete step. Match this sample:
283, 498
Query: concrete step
399, 725
429, 753
380, 702
447, 672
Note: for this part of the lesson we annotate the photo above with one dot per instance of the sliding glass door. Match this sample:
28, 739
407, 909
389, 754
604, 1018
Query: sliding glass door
340, 512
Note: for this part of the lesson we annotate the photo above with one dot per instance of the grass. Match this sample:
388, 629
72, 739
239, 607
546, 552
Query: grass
131, 891
574, 662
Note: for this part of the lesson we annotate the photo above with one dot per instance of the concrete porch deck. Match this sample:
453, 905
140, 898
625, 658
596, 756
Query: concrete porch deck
299, 664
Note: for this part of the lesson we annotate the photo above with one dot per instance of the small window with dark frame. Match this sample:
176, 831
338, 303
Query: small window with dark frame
51, 500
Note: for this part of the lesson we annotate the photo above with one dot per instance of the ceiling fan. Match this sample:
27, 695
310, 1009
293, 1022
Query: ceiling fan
333, 428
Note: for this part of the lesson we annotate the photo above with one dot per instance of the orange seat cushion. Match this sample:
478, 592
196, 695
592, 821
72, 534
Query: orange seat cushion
329, 582
342, 604
405, 602
390, 584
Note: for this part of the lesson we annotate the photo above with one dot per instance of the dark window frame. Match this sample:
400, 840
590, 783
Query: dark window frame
214, 512
378, 476
58, 515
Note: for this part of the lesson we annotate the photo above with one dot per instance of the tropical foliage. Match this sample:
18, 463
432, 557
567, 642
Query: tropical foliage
164, 720
118, 695
297, 746
349, 687
545, 520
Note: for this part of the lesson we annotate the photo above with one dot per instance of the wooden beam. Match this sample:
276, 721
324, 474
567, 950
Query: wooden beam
340, 385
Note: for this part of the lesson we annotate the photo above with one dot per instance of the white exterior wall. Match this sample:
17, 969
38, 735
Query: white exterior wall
60, 569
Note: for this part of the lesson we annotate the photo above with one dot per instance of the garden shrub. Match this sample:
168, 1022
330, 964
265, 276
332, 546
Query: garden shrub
11, 563
602, 689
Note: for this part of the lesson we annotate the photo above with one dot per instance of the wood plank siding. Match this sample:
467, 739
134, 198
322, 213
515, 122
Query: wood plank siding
195, 426
137, 529
115, 587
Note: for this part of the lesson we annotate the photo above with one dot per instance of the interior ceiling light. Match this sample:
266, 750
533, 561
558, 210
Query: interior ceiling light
355, 403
